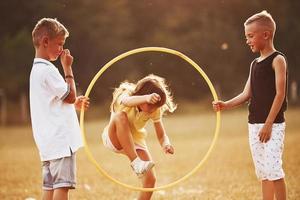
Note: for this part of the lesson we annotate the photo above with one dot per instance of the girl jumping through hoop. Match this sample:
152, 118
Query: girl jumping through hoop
133, 105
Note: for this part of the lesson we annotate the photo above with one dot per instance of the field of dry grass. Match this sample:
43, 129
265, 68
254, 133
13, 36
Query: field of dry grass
228, 173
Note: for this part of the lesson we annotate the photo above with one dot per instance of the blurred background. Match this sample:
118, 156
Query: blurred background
209, 32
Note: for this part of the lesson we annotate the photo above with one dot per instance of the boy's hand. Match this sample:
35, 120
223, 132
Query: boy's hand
219, 105
66, 59
153, 98
168, 149
82, 101
265, 133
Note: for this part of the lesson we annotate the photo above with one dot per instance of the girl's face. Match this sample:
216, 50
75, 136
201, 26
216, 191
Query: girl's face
256, 38
148, 108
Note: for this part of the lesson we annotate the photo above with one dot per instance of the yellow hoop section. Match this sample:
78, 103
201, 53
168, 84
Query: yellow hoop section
105, 67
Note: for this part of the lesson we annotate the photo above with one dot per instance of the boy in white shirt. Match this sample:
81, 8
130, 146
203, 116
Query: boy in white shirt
55, 125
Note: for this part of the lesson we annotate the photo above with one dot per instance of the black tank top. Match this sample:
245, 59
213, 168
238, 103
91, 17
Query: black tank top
263, 89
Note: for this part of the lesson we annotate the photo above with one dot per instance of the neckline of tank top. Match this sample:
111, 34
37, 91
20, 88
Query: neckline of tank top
260, 61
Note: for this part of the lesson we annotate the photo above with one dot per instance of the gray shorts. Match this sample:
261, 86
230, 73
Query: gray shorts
59, 173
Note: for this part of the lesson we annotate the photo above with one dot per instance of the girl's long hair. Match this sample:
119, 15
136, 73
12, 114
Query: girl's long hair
148, 85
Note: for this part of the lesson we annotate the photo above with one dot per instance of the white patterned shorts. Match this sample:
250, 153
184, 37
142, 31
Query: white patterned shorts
267, 157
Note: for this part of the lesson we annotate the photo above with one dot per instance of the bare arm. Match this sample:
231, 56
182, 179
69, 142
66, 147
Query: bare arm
236, 101
279, 66
66, 61
163, 138
241, 98
140, 99
160, 132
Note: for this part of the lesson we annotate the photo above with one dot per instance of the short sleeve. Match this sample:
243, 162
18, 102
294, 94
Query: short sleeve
121, 97
56, 84
118, 106
156, 116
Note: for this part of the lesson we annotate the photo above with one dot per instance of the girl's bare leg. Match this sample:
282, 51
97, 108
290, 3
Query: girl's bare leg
120, 135
148, 179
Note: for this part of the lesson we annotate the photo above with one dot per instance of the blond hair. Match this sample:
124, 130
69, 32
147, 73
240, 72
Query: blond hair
148, 85
264, 19
48, 27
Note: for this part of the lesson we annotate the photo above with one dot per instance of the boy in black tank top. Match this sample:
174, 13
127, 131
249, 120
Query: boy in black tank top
265, 89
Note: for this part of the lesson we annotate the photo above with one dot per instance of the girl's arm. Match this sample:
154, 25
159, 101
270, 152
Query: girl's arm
140, 99
279, 66
163, 138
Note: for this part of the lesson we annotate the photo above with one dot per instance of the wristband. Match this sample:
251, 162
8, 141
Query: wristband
166, 141
69, 76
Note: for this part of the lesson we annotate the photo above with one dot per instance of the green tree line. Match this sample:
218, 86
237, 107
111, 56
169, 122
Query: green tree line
209, 32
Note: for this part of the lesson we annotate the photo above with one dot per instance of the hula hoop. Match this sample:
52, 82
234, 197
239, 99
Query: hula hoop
100, 72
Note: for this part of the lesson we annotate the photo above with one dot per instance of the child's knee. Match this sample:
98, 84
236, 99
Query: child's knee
121, 117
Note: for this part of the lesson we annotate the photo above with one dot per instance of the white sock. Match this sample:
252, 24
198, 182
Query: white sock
136, 160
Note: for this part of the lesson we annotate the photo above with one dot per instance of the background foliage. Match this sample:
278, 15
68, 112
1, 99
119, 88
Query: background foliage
209, 32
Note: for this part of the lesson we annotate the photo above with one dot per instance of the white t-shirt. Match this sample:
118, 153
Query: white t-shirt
55, 125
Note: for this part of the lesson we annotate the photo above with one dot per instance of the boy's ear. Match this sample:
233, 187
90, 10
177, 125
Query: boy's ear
45, 41
267, 34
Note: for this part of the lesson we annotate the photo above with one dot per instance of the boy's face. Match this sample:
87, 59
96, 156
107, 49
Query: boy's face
53, 47
256, 38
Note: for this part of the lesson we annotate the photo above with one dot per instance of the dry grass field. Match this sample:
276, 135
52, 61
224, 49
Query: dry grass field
228, 174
